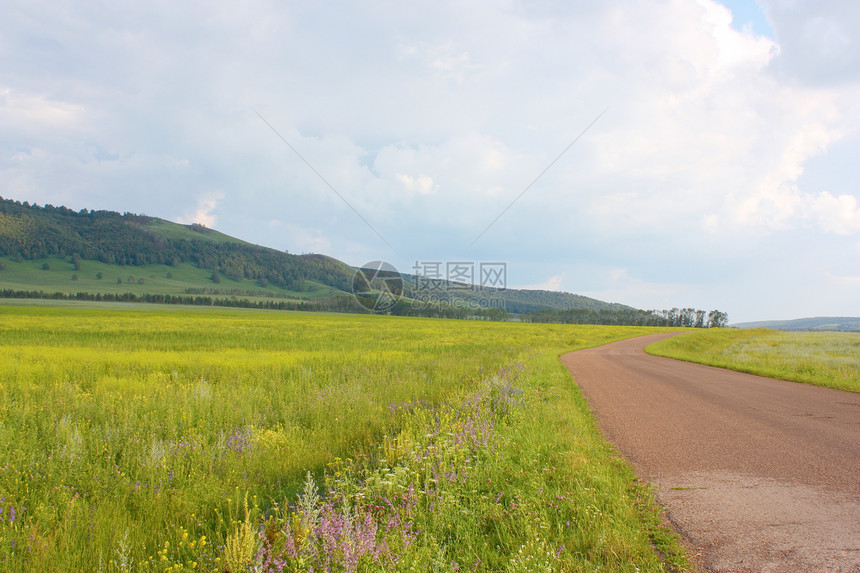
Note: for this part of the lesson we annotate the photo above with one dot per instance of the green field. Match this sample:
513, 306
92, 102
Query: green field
216, 440
61, 276
829, 359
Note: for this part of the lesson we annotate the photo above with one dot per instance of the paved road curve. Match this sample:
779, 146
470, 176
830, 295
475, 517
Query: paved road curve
757, 474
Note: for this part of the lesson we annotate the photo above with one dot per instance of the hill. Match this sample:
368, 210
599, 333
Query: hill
518, 301
818, 323
46, 249
33, 233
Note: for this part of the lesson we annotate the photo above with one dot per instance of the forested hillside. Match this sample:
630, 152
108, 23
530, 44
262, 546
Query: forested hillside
31, 232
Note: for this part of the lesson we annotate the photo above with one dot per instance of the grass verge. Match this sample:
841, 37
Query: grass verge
830, 359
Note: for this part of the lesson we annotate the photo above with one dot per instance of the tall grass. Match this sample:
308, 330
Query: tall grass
254, 441
829, 359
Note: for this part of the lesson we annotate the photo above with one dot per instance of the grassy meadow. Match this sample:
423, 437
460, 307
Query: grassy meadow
829, 359
226, 441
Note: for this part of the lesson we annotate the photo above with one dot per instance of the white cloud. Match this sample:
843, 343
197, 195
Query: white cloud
204, 213
839, 215
421, 184
38, 110
553, 284
307, 240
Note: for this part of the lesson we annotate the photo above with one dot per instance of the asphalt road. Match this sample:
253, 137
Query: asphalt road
758, 475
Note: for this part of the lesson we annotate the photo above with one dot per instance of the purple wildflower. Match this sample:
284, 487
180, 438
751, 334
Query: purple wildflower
239, 440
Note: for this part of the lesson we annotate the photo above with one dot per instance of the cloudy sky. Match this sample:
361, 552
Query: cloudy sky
722, 171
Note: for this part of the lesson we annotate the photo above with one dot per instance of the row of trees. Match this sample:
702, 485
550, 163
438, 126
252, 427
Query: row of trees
684, 317
334, 304
340, 304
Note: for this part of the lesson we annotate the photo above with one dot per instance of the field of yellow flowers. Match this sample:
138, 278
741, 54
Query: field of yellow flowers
169, 439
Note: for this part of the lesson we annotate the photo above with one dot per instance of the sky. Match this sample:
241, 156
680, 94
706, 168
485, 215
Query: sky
656, 153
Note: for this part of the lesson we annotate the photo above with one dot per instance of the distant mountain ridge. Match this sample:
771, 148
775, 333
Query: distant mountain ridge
30, 232
818, 324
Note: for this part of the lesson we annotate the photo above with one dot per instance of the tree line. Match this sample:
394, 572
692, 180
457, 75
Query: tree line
676, 317
343, 303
